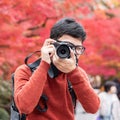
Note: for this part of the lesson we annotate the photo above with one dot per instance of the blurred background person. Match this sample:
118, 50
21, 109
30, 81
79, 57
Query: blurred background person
117, 81
110, 105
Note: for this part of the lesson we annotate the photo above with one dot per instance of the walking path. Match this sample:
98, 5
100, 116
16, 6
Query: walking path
82, 115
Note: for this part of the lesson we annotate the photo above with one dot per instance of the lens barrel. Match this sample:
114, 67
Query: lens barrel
62, 50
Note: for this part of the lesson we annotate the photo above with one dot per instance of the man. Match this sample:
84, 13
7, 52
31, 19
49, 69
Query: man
117, 81
30, 86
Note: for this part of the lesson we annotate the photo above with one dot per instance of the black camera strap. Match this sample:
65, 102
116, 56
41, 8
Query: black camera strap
33, 66
52, 72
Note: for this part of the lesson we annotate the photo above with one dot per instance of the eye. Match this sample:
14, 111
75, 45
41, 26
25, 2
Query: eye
79, 49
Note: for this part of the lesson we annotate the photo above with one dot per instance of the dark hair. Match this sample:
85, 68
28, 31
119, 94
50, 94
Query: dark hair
68, 26
108, 85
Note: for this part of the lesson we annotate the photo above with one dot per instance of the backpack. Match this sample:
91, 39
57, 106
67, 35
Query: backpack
53, 72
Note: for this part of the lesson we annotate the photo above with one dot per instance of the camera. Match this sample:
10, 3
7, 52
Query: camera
62, 49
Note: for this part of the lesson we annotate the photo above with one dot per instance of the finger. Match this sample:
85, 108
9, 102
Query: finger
50, 48
52, 51
56, 59
49, 41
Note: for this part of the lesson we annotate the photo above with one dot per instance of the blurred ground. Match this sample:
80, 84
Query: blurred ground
82, 115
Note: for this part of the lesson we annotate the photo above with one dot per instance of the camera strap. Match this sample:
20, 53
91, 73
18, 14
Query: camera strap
52, 72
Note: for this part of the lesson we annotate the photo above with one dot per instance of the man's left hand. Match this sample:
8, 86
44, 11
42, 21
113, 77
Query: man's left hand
65, 65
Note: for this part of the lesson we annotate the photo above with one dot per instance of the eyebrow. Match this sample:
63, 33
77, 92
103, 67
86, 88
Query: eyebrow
69, 43
66, 42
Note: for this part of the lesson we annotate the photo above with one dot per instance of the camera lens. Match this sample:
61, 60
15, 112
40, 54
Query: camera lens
63, 51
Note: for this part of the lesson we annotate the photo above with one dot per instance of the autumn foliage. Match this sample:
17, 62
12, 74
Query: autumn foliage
25, 25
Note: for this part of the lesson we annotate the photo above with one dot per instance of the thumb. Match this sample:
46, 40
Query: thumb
72, 54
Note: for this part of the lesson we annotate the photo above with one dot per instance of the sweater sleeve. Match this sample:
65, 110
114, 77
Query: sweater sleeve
84, 91
29, 87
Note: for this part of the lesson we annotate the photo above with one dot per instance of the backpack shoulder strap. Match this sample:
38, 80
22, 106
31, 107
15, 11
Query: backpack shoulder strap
72, 93
13, 101
14, 110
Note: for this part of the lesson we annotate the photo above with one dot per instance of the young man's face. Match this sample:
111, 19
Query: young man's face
113, 90
74, 41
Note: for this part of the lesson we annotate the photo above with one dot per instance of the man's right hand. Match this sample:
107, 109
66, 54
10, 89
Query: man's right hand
47, 50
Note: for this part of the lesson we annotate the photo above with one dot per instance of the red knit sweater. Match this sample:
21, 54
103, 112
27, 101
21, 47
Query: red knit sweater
29, 87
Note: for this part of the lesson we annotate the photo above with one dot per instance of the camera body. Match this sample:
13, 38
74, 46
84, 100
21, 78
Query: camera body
62, 49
